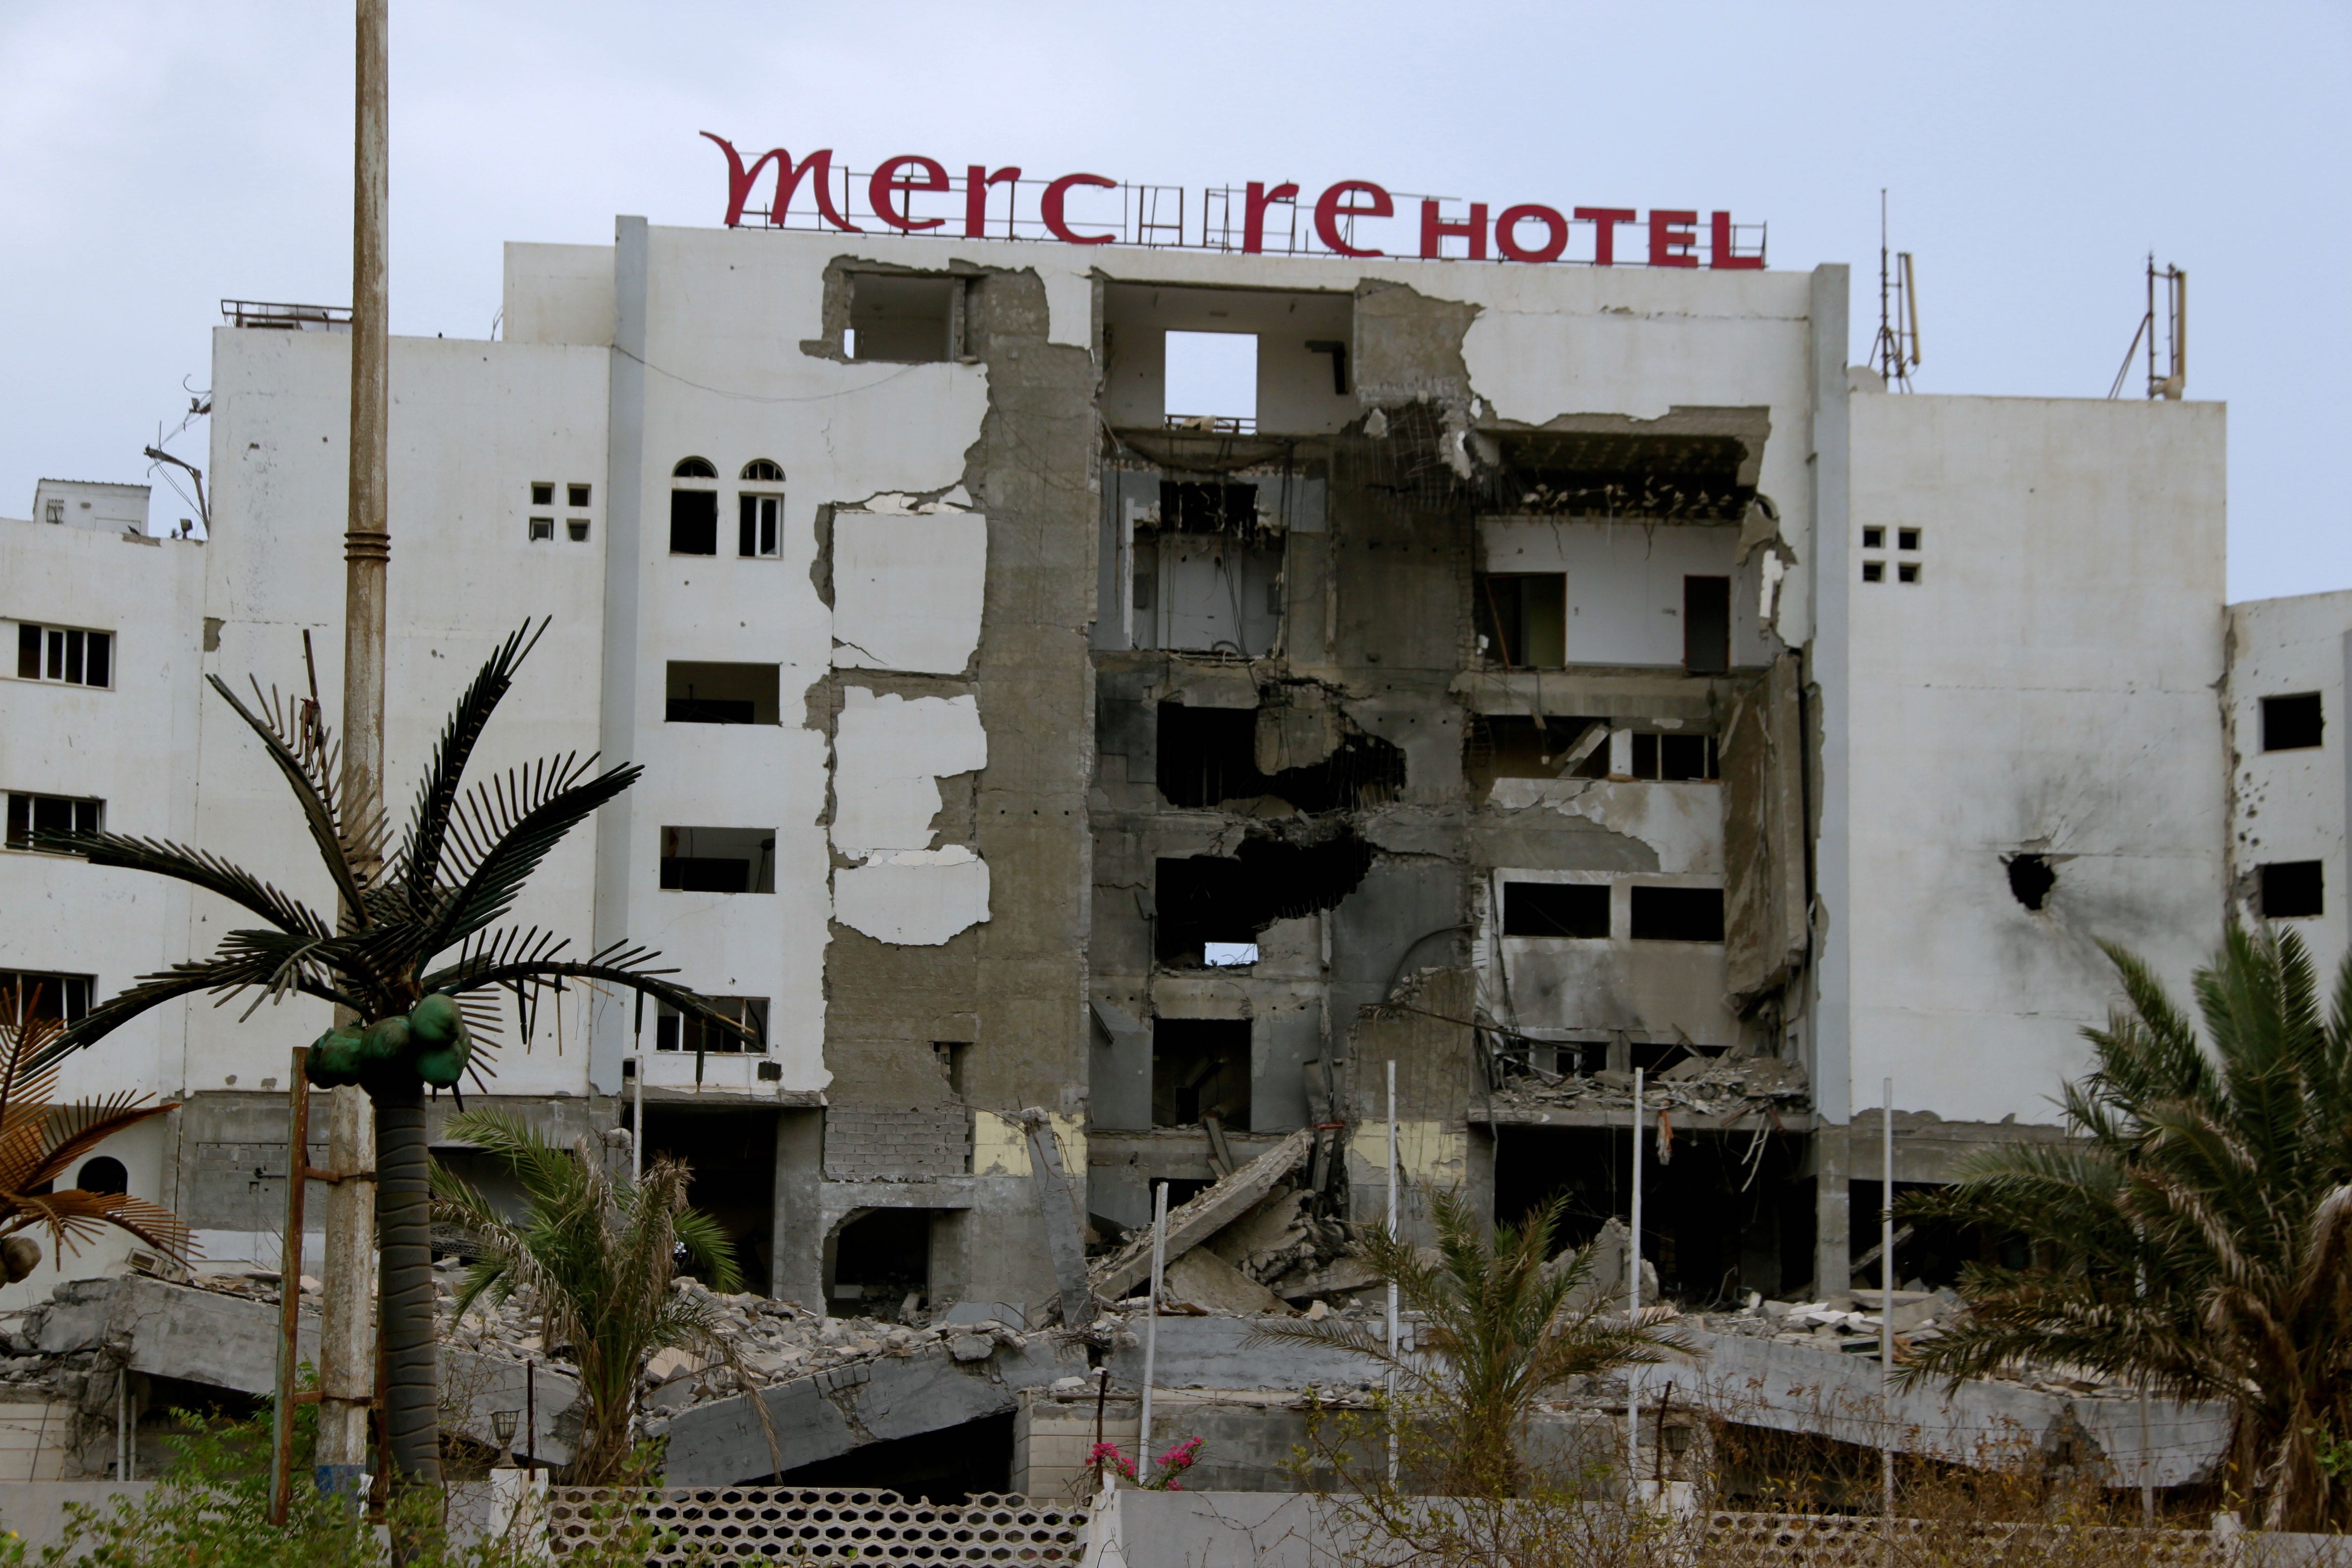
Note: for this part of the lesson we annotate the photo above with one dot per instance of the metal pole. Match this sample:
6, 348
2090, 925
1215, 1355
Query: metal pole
1887, 1309
290, 1287
1634, 1312
1151, 1329
347, 1355
1392, 1287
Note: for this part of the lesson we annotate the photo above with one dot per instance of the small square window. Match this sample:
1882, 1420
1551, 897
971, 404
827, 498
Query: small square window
1907, 571
1905, 538
541, 494
542, 528
1874, 570
580, 497
2292, 723
578, 528
1874, 539
2293, 890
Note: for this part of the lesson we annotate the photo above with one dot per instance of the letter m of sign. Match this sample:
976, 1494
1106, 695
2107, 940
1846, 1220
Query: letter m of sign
740, 182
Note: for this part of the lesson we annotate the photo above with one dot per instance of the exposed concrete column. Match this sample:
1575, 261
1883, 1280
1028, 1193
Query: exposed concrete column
797, 1273
1832, 1212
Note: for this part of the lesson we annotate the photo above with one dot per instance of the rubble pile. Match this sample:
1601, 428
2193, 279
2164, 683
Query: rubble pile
1712, 1086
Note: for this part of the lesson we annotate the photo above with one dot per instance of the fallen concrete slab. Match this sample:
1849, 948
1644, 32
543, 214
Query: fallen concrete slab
1202, 1216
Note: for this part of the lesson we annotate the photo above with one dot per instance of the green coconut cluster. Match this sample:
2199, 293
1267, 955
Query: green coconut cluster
431, 1041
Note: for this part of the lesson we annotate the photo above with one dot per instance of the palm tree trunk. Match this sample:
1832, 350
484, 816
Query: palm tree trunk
412, 1391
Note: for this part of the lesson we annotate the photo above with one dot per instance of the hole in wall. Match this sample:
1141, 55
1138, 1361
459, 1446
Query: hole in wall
1207, 755
881, 1257
1201, 1067
2030, 877
1210, 898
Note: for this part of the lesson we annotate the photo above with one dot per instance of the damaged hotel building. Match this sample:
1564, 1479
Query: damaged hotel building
1559, 670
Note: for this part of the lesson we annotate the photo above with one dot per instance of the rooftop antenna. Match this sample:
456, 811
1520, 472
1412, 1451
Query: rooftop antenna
1896, 350
2169, 331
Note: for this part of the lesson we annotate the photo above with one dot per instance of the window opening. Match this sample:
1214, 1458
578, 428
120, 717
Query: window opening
32, 813
1906, 538
693, 523
1873, 538
1907, 572
1673, 758
2030, 877
1522, 619
57, 511
1209, 756
1228, 955
1707, 625
543, 529
721, 693
759, 525
883, 1256
1199, 1069
26, 995
694, 469
719, 859
2293, 890
103, 1173
1677, 914
674, 1031
1874, 570
63, 654
543, 493
2292, 723
1577, 909
578, 529
953, 1056
760, 470
901, 319
1209, 382
730, 1157
578, 495
1513, 746
1205, 899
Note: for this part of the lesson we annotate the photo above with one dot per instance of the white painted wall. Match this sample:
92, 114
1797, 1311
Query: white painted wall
1625, 583
2050, 683
85, 503
2290, 805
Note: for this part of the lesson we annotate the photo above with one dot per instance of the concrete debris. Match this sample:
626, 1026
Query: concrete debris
1202, 1283
1202, 1216
1720, 1086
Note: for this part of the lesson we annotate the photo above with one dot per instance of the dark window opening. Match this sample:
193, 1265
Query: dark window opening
883, 1256
105, 1173
543, 529
2291, 723
1516, 746
1677, 914
1207, 755
2293, 890
32, 813
674, 1031
2030, 877
721, 693
694, 469
577, 494
1707, 625
26, 995
1207, 899
953, 1056
759, 528
760, 470
1522, 618
543, 494
1199, 1069
693, 522
1673, 758
1579, 910
1873, 538
578, 529
1906, 538
1191, 508
719, 859
60, 653
1874, 570
1907, 572
904, 321
731, 1160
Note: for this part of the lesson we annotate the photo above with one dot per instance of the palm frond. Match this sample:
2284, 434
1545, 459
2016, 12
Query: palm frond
503, 831
197, 867
308, 770
436, 793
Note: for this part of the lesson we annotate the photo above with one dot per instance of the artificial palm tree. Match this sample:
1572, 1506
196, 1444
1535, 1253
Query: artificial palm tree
416, 953
1500, 1328
2199, 1222
595, 1258
40, 1141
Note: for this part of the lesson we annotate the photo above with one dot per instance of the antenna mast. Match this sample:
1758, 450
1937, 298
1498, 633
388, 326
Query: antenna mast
1896, 350
2169, 331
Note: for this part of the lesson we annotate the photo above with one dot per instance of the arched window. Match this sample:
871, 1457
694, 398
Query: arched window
694, 513
759, 518
103, 1174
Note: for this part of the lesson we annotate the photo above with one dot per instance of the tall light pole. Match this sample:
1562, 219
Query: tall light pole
347, 1349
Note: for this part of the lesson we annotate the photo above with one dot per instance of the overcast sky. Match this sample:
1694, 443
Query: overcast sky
157, 158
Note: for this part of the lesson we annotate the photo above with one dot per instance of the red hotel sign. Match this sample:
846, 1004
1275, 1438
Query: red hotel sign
914, 194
